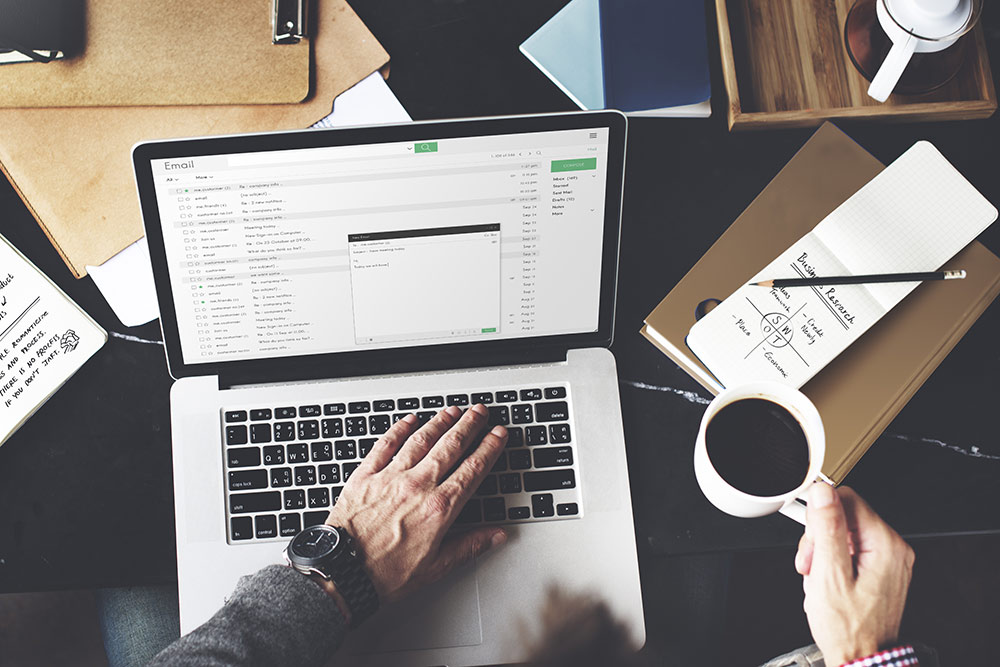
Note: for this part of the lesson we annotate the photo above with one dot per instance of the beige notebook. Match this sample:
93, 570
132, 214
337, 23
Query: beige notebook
864, 388
141, 53
72, 167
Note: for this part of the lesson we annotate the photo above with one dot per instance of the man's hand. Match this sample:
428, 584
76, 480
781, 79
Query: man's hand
406, 493
856, 571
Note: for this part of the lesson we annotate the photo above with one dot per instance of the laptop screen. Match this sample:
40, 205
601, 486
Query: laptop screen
348, 248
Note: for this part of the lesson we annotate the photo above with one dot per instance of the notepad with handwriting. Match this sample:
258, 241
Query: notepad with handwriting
44, 338
913, 216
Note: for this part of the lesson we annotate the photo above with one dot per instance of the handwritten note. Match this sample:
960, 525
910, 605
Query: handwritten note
44, 338
913, 216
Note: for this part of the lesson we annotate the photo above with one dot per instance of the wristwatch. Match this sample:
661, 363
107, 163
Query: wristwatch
332, 553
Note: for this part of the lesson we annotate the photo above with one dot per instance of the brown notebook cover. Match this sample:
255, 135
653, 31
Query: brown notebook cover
72, 167
864, 388
140, 53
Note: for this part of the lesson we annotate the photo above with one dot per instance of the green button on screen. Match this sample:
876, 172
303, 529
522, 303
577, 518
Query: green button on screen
426, 147
490, 330
579, 164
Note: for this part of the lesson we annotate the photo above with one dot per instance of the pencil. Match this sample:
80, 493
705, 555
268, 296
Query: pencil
857, 280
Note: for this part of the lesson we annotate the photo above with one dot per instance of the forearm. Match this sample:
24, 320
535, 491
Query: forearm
276, 616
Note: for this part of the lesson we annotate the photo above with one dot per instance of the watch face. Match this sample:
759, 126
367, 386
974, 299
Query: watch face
315, 542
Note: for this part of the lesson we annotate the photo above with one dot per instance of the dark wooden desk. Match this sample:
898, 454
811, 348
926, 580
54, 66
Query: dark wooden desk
85, 486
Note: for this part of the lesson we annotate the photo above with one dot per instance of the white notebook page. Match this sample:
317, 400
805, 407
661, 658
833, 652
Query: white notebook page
913, 216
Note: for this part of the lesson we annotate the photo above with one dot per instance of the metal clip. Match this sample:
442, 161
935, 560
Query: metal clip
288, 21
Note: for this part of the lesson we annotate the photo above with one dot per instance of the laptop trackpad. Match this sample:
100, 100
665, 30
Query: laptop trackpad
442, 615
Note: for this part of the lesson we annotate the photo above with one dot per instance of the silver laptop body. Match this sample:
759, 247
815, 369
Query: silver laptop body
315, 285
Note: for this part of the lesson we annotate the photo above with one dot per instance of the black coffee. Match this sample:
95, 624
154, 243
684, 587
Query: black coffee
758, 447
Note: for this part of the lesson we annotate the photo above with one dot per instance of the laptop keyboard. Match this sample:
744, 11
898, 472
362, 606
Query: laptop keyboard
285, 466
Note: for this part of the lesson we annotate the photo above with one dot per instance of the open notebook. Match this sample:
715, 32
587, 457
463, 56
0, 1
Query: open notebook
913, 216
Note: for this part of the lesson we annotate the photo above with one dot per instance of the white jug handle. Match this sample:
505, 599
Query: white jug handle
892, 68
796, 508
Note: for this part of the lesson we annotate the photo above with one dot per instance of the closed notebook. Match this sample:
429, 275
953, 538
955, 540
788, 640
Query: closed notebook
864, 388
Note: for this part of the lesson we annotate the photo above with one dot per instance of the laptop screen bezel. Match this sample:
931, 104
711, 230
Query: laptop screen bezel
383, 360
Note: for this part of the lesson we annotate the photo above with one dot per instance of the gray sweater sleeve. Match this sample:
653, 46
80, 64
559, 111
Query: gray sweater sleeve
274, 617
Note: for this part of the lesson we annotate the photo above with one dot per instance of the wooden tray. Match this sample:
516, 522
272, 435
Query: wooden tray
785, 65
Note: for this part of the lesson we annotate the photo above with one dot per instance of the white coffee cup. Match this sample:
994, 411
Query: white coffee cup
733, 501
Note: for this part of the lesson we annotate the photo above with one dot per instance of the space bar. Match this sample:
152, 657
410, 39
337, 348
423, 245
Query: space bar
549, 480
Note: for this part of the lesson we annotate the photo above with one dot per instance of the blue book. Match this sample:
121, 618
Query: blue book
644, 57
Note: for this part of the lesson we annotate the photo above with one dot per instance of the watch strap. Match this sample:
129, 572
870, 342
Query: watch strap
352, 582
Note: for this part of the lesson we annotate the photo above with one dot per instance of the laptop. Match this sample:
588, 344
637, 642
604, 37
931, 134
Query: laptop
315, 286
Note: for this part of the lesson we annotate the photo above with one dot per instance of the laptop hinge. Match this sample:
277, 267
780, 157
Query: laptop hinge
423, 363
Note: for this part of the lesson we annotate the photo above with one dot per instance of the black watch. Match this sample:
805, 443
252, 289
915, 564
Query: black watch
332, 554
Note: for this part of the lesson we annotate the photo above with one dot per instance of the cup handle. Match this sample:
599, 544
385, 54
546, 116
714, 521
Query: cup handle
794, 509
892, 68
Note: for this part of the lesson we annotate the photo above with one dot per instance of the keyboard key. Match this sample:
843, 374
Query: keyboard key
261, 501
331, 409
335, 494
409, 403
553, 457
247, 479
308, 430
281, 477
549, 479
333, 428
359, 407
520, 459
471, 513
385, 405
260, 433
309, 411
531, 394
518, 513
521, 414
558, 433
236, 435
236, 416
314, 518
378, 424
295, 500
266, 525
426, 416
305, 475
319, 498
433, 402
552, 412
515, 436
289, 525
354, 426
535, 435
485, 398
260, 415
243, 457
348, 469
329, 474
487, 488
501, 463
457, 399
506, 396
510, 483
365, 445
274, 455
241, 527
298, 453
345, 450
499, 415
494, 509
555, 392
284, 431
566, 509
284, 413
541, 505
397, 416
321, 451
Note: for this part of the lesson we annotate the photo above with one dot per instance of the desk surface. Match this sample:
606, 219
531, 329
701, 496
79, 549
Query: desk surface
86, 488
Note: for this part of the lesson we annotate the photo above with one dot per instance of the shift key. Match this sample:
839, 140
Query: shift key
557, 411
265, 501
549, 479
